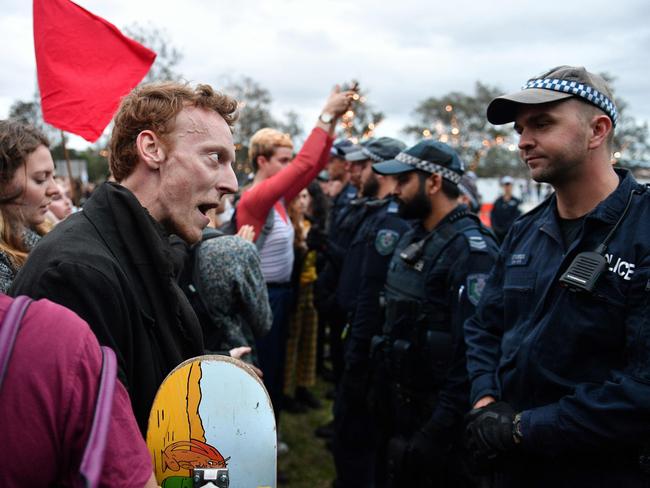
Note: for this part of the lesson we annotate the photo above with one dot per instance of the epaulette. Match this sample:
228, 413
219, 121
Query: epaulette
359, 201
351, 193
378, 202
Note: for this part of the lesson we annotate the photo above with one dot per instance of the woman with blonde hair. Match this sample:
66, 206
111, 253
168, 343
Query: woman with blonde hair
26, 189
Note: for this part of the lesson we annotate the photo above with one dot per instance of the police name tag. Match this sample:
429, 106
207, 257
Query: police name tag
386, 241
519, 259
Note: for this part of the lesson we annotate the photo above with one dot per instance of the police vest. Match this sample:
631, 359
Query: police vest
351, 218
418, 327
366, 234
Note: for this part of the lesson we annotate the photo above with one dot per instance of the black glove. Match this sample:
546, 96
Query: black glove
396, 460
489, 432
426, 449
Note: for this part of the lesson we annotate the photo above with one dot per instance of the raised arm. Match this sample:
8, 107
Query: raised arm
311, 158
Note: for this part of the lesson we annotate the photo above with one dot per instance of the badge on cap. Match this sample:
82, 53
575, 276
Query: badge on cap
475, 286
386, 241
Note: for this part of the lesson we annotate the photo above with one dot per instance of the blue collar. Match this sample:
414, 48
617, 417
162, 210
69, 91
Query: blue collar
608, 211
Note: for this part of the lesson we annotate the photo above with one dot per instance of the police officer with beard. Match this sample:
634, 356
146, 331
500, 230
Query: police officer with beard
330, 316
434, 281
346, 224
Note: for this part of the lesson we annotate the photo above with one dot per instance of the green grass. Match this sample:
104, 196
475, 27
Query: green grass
308, 464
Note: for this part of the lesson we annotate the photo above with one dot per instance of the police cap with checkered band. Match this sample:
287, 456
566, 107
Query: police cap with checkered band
429, 156
556, 84
376, 150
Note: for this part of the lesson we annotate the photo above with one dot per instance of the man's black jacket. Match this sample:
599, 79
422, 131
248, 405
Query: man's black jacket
111, 264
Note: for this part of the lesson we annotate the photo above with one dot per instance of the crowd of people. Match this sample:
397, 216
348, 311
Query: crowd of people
462, 355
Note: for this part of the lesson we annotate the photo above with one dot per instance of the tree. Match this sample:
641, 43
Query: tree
361, 120
254, 108
26, 112
158, 40
291, 125
29, 112
459, 120
631, 141
255, 114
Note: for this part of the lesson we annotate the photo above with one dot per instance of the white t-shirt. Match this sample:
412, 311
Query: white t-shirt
277, 253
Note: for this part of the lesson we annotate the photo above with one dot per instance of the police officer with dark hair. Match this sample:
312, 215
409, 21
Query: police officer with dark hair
338, 169
330, 317
362, 280
435, 279
559, 349
345, 224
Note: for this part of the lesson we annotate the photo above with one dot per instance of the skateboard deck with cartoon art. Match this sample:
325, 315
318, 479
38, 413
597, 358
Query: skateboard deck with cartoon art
212, 424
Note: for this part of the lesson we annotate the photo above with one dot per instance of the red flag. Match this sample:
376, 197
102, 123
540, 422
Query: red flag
85, 66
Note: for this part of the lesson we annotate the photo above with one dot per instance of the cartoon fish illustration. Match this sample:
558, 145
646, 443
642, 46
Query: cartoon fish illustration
192, 454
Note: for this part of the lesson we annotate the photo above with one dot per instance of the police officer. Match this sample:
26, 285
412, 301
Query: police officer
362, 280
559, 349
434, 281
339, 171
376, 198
505, 210
330, 318
346, 224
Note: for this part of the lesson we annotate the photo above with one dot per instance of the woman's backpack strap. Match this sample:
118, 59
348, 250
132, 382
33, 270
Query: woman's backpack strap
9, 331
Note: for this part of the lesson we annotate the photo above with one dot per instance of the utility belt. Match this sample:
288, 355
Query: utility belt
644, 459
423, 364
395, 408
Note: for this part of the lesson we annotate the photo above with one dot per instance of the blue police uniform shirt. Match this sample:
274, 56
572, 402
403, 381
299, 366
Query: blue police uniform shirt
578, 366
341, 201
343, 225
503, 214
350, 218
364, 273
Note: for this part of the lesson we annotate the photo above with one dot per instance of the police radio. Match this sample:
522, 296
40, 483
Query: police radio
584, 271
414, 251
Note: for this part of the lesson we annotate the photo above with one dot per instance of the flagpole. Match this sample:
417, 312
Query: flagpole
68, 165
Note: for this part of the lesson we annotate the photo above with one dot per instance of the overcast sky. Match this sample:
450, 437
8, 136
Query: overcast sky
402, 52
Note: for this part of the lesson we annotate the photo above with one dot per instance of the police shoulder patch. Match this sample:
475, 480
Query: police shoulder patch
386, 241
475, 285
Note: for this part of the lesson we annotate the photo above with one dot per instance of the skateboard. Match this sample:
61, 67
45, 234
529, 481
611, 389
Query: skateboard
212, 425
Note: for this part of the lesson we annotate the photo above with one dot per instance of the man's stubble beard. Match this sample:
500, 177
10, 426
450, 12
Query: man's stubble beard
564, 167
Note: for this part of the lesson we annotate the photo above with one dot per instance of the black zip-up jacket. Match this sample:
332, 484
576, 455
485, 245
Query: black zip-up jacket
111, 264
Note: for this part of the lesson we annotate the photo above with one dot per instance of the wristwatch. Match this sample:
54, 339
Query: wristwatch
326, 118
516, 429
